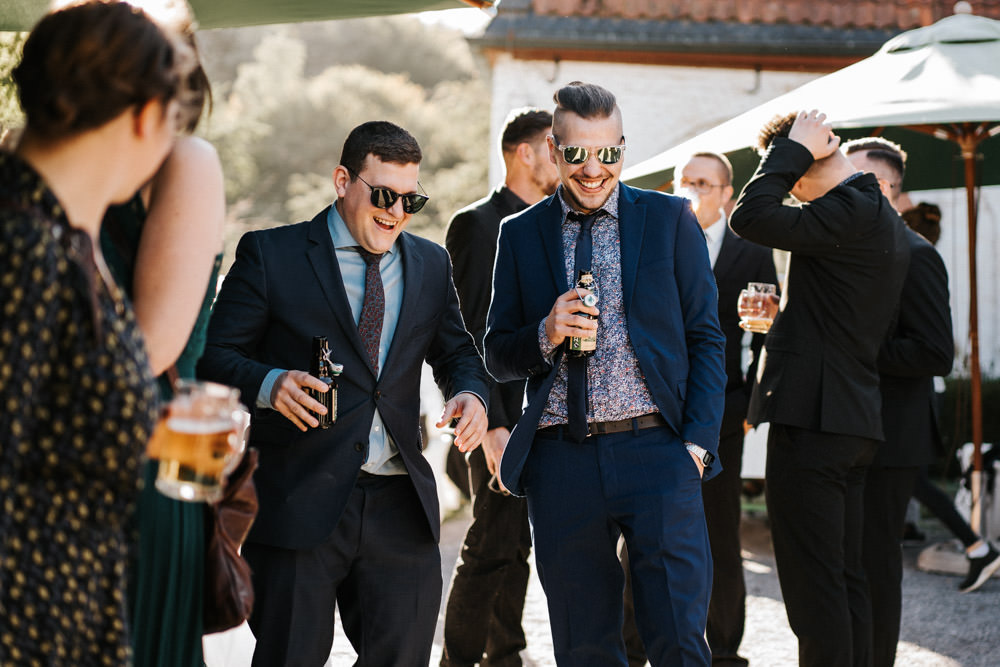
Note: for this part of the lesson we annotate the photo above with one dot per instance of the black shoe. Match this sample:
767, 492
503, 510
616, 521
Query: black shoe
980, 569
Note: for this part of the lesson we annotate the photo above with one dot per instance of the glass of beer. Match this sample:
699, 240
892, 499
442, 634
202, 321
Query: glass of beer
757, 306
200, 440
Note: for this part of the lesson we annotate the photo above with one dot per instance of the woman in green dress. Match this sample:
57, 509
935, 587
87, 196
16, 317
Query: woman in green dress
164, 249
98, 84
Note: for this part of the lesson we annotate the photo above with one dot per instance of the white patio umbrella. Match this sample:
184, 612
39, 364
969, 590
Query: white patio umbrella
942, 80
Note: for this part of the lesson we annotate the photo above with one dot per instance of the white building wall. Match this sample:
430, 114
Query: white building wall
661, 106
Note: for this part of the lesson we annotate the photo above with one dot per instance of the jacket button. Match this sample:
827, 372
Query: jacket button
378, 394
359, 446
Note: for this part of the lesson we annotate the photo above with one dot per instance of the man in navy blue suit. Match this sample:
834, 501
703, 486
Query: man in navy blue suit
616, 443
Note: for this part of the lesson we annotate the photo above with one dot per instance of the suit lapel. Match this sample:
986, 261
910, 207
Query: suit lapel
631, 228
550, 229
323, 258
728, 254
413, 271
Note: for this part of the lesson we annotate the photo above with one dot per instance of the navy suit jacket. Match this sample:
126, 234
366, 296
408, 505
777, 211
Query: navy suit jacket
670, 303
284, 288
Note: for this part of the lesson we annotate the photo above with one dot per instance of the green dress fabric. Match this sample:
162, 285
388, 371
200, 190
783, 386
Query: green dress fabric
166, 586
77, 406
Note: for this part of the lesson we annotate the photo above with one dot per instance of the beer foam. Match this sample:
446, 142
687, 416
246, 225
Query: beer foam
195, 426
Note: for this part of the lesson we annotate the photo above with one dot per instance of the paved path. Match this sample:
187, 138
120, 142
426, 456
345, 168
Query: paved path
941, 627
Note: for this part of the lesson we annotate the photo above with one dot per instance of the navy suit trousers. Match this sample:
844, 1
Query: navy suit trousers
644, 485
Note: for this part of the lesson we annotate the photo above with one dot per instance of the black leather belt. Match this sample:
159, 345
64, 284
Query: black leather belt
651, 420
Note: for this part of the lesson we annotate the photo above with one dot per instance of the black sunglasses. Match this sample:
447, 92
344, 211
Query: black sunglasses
580, 154
385, 198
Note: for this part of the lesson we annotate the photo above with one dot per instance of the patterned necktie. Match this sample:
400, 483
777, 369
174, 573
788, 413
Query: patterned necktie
373, 308
576, 367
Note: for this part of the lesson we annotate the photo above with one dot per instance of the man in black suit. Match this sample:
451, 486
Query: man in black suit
348, 515
817, 381
918, 347
483, 617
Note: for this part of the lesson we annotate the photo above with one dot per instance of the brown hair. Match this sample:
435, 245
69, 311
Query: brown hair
523, 126
586, 100
881, 150
386, 141
779, 126
84, 65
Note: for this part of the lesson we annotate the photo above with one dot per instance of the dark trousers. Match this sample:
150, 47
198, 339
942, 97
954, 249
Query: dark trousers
381, 567
483, 614
887, 493
815, 503
642, 485
942, 506
727, 607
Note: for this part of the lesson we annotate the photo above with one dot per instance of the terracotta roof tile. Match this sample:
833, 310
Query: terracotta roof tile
877, 14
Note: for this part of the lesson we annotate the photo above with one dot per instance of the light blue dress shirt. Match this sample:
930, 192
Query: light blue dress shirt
383, 456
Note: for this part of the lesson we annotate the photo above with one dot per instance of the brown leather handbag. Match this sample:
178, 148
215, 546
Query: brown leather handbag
228, 584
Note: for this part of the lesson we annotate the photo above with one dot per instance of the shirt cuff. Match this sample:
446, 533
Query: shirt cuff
264, 395
546, 346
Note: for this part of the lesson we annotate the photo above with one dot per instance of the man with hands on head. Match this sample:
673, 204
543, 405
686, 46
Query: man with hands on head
348, 515
615, 443
817, 379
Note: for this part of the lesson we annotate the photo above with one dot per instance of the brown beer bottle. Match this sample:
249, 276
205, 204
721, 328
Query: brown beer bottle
584, 346
327, 371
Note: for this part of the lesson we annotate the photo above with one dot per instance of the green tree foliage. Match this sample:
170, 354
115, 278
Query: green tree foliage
10, 54
286, 97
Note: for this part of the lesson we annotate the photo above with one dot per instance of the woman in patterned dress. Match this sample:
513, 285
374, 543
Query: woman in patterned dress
98, 83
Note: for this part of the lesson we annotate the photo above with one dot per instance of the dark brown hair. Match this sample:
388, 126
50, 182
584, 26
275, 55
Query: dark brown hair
523, 126
779, 126
586, 100
386, 141
924, 219
881, 150
84, 65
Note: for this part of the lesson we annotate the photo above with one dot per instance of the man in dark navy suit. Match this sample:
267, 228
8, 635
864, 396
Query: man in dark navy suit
615, 443
348, 515
817, 379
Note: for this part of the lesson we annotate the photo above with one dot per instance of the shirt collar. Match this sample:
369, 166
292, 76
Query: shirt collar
341, 235
610, 206
715, 231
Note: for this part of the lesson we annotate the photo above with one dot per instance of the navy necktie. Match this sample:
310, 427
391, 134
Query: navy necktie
373, 307
576, 367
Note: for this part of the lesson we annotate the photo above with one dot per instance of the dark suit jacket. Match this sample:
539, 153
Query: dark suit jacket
284, 288
670, 303
471, 240
918, 347
849, 256
739, 262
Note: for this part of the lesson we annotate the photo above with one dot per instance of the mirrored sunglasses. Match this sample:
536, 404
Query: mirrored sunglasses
382, 197
580, 154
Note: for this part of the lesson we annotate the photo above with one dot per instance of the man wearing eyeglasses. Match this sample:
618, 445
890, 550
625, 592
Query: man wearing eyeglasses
615, 443
348, 515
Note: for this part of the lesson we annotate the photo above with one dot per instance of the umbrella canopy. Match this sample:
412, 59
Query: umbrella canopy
943, 74
19, 15
942, 82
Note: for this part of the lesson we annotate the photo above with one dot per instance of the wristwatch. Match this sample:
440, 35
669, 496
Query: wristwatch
706, 456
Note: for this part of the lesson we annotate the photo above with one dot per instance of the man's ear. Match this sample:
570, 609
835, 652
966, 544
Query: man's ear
525, 153
341, 177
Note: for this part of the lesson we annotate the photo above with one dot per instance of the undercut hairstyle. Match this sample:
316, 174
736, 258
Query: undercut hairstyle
586, 100
726, 167
779, 126
881, 150
524, 125
386, 141
84, 65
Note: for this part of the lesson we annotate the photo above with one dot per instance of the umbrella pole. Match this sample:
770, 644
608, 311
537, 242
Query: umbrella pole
968, 139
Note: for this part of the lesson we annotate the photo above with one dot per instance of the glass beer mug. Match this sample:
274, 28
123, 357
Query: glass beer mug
757, 305
199, 441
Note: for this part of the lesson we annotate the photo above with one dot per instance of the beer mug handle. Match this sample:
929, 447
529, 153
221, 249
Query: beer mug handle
241, 433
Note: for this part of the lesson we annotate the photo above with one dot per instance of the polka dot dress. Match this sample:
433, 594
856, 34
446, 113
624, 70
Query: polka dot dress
77, 404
